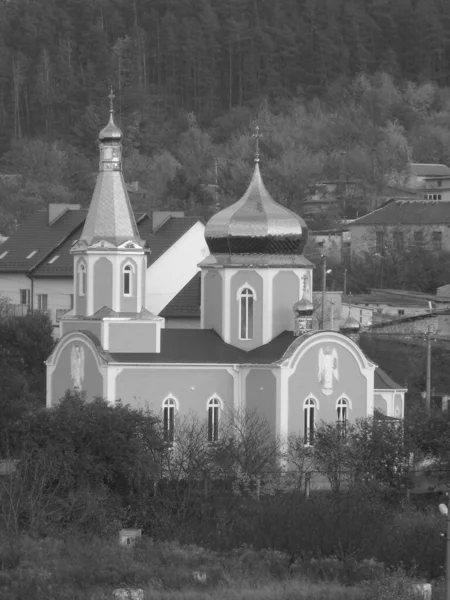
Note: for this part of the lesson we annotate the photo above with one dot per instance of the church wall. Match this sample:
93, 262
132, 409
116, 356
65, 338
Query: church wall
94, 327
286, 288
213, 301
103, 284
304, 383
129, 303
133, 336
261, 395
61, 378
239, 279
380, 404
146, 387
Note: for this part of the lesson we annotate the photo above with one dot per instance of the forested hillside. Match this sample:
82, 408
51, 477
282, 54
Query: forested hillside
340, 88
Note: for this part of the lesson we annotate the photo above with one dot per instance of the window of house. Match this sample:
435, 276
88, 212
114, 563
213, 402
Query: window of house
401, 312
246, 304
71, 301
127, 280
82, 279
398, 241
309, 416
213, 419
32, 254
436, 238
3, 254
380, 242
342, 415
169, 420
42, 301
360, 316
439, 196
24, 297
439, 183
418, 236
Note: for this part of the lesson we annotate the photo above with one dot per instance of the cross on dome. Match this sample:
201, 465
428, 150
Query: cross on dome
111, 97
257, 136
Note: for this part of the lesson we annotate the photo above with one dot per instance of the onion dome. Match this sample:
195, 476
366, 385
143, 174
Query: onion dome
110, 133
350, 325
256, 224
302, 307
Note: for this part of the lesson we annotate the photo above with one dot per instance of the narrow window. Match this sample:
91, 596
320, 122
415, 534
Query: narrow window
213, 420
398, 241
418, 236
246, 300
308, 413
127, 281
342, 416
437, 240
42, 302
82, 280
380, 243
71, 301
24, 297
169, 420
401, 312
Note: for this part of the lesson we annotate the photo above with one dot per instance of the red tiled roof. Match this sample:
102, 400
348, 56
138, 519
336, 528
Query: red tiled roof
187, 302
408, 212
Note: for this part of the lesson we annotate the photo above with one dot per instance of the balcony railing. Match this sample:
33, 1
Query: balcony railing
16, 310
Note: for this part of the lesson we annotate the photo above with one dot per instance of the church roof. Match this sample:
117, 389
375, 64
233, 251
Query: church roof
382, 381
256, 224
186, 304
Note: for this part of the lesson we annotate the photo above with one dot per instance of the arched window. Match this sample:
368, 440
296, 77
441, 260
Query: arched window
309, 416
342, 415
213, 419
81, 279
169, 406
127, 272
246, 303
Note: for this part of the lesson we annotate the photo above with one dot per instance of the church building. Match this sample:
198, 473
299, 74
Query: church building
255, 350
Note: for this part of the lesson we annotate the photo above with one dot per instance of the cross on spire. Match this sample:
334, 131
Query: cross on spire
257, 136
111, 97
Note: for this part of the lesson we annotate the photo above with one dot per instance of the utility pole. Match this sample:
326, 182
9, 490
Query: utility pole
332, 316
324, 287
443, 509
428, 384
345, 282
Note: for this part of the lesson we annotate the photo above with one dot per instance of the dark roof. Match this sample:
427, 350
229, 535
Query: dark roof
430, 170
187, 302
37, 234
205, 346
166, 235
382, 381
63, 265
408, 212
385, 298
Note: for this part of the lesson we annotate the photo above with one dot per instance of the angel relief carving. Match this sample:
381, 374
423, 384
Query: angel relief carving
328, 369
77, 366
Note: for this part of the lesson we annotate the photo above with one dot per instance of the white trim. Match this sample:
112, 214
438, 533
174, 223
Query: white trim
312, 397
247, 297
226, 306
127, 269
214, 397
243, 287
202, 298
170, 396
344, 397
81, 289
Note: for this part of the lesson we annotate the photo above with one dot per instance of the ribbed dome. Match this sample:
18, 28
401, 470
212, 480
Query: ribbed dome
256, 224
111, 132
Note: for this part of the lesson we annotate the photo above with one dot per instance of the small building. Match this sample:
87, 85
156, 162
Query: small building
400, 224
334, 243
434, 180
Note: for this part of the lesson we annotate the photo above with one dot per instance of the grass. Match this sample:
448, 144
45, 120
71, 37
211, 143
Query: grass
77, 569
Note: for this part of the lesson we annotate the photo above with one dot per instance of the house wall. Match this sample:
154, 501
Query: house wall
363, 237
361, 314
175, 268
261, 395
147, 387
351, 383
416, 326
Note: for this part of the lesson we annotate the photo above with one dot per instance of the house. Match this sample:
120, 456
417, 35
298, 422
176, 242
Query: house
387, 304
255, 348
36, 267
334, 243
434, 180
402, 223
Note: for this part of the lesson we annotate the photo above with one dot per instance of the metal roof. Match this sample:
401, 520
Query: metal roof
408, 212
430, 170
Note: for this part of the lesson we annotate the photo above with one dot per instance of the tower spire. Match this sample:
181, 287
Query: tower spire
111, 97
257, 136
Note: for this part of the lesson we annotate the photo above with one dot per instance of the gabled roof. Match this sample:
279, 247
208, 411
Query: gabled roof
36, 234
187, 302
408, 212
430, 170
382, 381
166, 235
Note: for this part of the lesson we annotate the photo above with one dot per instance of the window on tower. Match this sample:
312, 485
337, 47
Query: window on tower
81, 279
127, 271
246, 306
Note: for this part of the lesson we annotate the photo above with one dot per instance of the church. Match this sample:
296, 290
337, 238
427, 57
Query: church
256, 348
